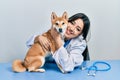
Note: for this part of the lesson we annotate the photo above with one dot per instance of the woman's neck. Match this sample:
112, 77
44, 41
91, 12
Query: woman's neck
66, 39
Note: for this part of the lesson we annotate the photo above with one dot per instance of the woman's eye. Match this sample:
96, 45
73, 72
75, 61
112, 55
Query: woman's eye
73, 23
78, 29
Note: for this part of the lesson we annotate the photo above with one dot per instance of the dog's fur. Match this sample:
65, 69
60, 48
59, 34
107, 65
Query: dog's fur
35, 57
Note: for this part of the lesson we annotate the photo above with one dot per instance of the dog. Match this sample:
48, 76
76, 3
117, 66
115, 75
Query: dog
35, 57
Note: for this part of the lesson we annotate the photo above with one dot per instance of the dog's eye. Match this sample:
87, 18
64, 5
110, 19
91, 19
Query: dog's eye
56, 23
63, 23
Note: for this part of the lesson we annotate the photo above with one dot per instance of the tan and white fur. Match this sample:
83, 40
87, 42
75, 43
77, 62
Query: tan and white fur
35, 57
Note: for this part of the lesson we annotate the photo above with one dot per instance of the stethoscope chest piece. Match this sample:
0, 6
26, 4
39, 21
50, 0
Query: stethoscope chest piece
92, 71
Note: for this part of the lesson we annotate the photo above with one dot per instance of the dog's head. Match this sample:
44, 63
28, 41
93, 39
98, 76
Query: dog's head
59, 23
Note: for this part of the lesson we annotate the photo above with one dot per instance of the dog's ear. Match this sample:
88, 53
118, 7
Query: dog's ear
53, 16
65, 15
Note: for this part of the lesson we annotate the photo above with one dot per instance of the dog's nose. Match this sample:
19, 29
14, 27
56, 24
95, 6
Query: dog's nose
60, 30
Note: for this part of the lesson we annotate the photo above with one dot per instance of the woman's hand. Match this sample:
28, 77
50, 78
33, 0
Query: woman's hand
43, 41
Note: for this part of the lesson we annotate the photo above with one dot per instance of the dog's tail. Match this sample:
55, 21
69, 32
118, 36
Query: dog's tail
18, 66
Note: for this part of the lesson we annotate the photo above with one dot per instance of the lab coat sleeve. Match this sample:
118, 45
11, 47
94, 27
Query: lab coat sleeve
30, 41
68, 60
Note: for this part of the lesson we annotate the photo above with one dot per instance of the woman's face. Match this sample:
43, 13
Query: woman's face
74, 29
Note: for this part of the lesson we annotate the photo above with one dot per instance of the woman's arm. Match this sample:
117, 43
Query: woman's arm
38, 39
71, 57
30, 41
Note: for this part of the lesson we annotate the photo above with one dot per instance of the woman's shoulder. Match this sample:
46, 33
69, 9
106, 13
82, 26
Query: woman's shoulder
78, 39
76, 43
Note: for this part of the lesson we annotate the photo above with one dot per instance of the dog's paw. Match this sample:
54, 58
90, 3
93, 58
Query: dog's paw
40, 70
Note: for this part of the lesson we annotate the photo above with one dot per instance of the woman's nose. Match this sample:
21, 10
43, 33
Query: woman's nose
72, 29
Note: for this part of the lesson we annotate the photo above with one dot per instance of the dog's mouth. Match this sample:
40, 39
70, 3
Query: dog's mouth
60, 30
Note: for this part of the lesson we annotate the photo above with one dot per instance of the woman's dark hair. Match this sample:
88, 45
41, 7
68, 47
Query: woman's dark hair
86, 22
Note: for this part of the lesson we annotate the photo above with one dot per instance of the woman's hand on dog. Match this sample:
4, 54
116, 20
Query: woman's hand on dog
43, 41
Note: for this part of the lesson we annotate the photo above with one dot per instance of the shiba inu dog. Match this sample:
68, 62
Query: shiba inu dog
35, 57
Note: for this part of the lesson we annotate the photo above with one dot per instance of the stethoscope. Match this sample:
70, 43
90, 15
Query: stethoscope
94, 67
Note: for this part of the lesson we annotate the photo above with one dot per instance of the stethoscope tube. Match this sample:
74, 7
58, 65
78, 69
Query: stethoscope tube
94, 68
104, 63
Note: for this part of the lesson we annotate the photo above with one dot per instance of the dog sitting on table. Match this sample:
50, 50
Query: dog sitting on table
35, 57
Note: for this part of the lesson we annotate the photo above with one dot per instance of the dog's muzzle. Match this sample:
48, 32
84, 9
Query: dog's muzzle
60, 30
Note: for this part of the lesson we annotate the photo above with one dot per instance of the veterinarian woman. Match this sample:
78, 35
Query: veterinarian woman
70, 55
